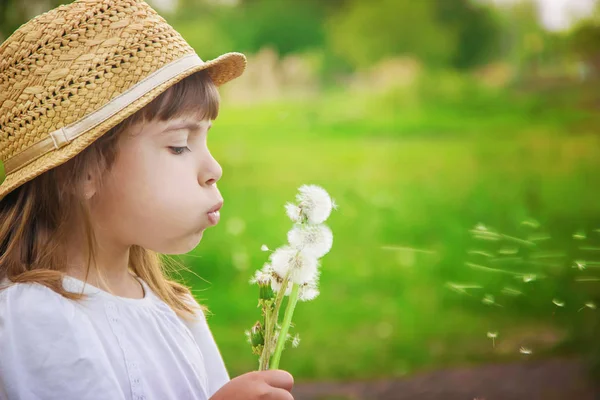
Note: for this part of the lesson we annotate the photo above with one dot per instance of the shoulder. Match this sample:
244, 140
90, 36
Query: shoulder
36, 318
31, 302
49, 348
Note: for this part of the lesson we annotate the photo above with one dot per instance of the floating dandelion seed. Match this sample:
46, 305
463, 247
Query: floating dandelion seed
525, 350
579, 235
511, 291
493, 336
532, 223
489, 300
529, 278
481, 228
508, 250
264, 247
558, 303
334, 205
579, 264
538, 237
589, 304
481, 253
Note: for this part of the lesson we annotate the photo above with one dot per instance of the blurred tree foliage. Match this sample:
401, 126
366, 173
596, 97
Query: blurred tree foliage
14, 13
353, 34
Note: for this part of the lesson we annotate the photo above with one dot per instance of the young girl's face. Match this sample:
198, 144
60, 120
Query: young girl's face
161, 188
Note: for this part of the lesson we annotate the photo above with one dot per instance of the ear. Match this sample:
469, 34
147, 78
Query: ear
89, 186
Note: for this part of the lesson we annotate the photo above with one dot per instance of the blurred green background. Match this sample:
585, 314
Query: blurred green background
459, 139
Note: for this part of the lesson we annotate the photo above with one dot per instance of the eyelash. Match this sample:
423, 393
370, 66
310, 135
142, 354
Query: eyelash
178, 150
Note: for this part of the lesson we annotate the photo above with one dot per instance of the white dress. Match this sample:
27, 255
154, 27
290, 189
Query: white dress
102, 348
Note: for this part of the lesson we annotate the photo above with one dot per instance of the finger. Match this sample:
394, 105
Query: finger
279, 379
281, 394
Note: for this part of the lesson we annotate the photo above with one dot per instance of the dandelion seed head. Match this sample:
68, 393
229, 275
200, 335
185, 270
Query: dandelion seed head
315, 240
276, 286
315, 203
308, 293
293, 212
302, 266
261, 278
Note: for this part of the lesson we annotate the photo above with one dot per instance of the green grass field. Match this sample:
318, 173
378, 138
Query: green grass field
411, 182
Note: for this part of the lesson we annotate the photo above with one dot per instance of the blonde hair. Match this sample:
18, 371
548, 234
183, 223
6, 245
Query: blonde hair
34, 218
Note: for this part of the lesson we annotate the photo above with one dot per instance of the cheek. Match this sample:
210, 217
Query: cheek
153, 188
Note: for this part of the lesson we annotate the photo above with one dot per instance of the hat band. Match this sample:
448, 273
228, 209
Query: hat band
63, 136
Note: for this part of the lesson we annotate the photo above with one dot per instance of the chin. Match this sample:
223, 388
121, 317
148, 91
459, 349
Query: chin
185, 245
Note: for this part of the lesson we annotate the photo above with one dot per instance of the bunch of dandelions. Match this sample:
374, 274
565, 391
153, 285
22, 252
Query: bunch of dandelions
293, 272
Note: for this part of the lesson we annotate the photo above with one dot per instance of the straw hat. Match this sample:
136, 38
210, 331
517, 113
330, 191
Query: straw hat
69, 75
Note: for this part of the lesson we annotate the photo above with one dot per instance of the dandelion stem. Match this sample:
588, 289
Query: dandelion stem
271, 318
287, 320
265, 356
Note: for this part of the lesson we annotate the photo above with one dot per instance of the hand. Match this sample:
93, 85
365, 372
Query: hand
258, 385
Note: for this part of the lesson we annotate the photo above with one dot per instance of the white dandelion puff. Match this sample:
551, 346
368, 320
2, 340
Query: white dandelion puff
315, 240
308, 292
293, 212
301, 266
315, 203
261, 277
276, 286
525, 350
264, 247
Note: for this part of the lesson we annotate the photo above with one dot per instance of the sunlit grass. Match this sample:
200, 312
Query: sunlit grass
400, 290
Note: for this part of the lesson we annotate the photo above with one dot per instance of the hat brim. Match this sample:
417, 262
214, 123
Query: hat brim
221, 70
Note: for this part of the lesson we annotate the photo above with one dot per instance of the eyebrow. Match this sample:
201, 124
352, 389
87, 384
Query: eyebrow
190, 126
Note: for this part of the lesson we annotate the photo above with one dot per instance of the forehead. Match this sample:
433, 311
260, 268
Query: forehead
158, 128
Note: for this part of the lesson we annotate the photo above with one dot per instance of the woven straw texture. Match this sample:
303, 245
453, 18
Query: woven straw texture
66, 64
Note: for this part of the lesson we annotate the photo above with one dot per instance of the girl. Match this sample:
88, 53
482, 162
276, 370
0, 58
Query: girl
104, 116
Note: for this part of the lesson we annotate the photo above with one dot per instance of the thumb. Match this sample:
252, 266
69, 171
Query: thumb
279, 379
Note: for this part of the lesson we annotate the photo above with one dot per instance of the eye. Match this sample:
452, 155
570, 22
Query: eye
178, 150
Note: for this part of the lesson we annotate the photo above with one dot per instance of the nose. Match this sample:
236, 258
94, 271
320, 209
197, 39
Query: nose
212, 171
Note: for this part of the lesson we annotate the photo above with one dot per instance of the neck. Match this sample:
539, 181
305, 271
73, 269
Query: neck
109, 268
